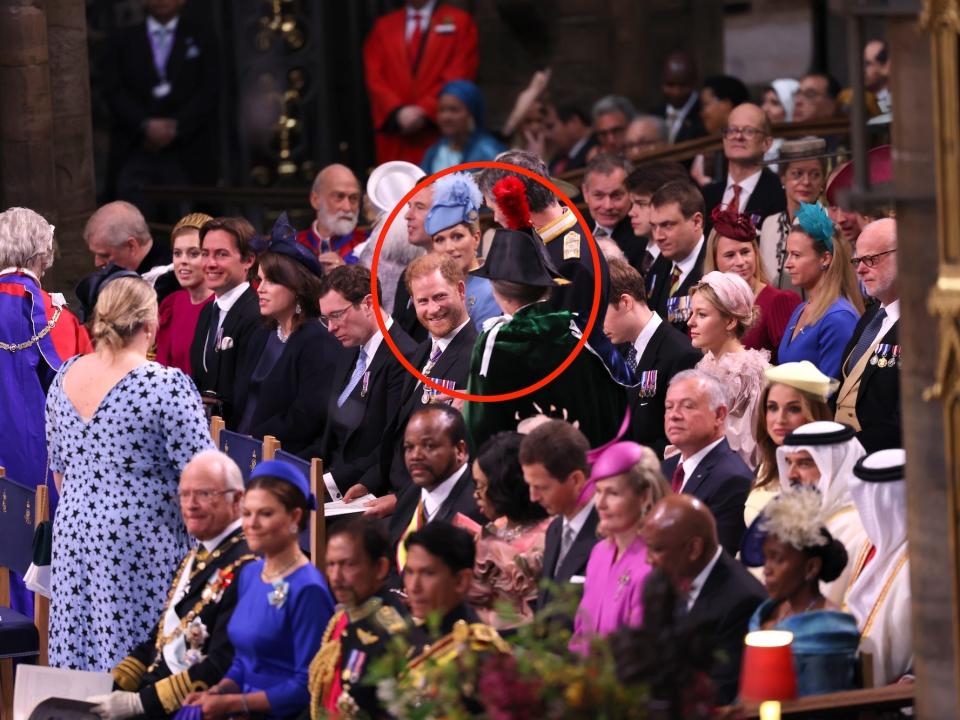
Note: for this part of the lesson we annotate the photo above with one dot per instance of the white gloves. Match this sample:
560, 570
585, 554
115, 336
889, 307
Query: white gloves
118, 705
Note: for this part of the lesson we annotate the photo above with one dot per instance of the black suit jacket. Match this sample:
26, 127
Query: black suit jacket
692, 124
460, 500
633, 247
453, 365
722, 611
658, 286
239, 325
878, 397
563, 163
217, 649
129, 78
405, 314
766, 199
350, 446
292, 401
575, 562
722, 481
668, 352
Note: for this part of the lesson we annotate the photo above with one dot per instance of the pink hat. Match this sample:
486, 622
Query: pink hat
732, 291
616, 459
879, 170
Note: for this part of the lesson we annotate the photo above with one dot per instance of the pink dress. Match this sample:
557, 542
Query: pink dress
612, 592
741, 374
177, 325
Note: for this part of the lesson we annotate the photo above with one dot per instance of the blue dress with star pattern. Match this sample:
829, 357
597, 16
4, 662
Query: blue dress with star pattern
118, 535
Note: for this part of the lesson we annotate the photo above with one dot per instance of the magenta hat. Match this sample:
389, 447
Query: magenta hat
616, 460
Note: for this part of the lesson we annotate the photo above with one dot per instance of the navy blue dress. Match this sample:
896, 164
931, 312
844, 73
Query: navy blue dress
275, 643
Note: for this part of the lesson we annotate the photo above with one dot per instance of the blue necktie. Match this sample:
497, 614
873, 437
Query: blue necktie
358, 371
632, 358
867, 337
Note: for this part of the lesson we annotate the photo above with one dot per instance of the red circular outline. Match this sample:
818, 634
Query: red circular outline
594, 308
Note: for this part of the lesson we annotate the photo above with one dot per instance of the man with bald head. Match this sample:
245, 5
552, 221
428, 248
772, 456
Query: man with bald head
335, 196
869, 396
749, 187
191, 644
682, 108
716, 594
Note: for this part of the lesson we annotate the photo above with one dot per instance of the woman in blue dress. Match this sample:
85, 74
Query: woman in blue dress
453, 224
798, 553
818, 262
283, 604
463, 137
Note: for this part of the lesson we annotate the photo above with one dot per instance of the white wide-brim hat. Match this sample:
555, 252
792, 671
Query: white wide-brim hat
388, 183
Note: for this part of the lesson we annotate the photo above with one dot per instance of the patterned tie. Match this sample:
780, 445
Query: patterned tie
734, 203
675, 280
676, 482
646, 263
632, 358
566, 542
210, 346
867, 337
600, 233
416, 37
434, 356
358, 371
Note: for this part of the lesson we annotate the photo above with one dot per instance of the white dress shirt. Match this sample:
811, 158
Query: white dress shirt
691, 463
893, 314
675, 117
747, 186
701, 579
422, 15
643, 339
228, 300
433, 499
578, 520
687, 264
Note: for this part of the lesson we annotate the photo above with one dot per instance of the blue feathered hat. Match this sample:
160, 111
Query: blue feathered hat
456, 199
814, 221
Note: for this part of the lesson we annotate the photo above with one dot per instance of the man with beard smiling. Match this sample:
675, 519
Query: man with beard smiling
435, 452
335, 196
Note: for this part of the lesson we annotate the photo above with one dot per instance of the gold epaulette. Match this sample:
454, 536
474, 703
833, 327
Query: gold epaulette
128, 673
323, 667
557, 227
476, 636
173, 690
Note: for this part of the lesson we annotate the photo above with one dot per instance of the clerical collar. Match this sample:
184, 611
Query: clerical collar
214, 543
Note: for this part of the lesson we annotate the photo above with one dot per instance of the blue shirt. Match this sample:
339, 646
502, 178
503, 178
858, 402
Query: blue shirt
480, 303
823, 342
274, 645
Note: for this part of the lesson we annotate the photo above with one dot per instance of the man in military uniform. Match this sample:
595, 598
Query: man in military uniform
368, 615
190, 649
437, 576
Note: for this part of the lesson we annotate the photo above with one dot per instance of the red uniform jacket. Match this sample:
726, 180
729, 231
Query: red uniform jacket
449, 53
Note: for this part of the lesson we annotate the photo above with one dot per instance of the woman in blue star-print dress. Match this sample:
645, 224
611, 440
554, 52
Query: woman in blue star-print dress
119, 431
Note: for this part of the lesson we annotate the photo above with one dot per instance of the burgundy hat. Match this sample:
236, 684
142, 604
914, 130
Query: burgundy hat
616, 459
880, 171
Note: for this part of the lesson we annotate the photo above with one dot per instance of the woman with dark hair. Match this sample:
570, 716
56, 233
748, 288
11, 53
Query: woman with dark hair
510, 547
798, 553
463, 136
279, 389
283, 604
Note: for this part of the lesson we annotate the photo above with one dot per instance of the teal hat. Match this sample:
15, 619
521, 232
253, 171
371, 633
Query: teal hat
288, 473
814, 221
456, 199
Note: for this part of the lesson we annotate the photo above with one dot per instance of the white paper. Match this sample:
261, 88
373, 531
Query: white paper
35, 684
339, 507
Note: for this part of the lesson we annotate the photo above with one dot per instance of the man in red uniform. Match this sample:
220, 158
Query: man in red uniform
335, 196
408, 56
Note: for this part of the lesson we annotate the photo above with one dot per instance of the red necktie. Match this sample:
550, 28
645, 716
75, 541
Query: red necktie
675, 280
734, 203
676, 482
416, 37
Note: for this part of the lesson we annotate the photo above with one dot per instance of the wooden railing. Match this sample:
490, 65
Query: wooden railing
848, 704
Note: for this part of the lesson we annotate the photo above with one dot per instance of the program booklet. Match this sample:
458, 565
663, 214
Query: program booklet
45, 693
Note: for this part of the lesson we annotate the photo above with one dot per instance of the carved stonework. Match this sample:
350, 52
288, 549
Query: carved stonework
939, 14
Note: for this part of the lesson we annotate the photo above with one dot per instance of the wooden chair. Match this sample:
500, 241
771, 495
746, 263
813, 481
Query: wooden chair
21, 510
245, 451
314, 538
216, 425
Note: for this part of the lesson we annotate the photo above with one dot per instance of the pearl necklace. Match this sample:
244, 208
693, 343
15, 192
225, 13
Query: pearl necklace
283, 338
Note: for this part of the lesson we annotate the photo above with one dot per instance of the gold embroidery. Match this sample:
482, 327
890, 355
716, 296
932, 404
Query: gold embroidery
868, 625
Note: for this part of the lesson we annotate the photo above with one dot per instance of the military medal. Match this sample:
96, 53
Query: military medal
571, 246
648, 383
894, 356
365, 384
882, 352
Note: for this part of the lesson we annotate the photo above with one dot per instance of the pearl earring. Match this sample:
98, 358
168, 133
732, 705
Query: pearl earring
298, 310
294, 530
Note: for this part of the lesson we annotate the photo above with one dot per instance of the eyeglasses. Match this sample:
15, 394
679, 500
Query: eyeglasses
796, 175
748, 132
335, 316
616, 130
202, 496
870, 260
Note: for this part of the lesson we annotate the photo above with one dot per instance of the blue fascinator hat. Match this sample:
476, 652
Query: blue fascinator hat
283, 241
814, 221
280, 470
456, 199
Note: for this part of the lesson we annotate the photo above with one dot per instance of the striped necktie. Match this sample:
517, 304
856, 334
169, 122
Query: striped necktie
675, 279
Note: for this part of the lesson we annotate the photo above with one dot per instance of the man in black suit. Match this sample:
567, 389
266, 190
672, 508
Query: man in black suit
161, 82
435, 452
681, 111
642, 183
415, 217
717, 595
569, 133
749, 188
156, 676
438, 290
676, 222
226, 325
605, 191
695, 414
553, 457
365, 386
869, 395
655, 350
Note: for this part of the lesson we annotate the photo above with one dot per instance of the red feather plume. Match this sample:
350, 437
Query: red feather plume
511, 196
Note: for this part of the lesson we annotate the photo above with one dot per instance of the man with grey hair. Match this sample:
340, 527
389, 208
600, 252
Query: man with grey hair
332, 236
695, 415
191, 644
644, 134
605, 190
611, 114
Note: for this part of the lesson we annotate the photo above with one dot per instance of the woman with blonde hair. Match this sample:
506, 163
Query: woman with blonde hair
120, 429
628, 484
818, 261
721, 311
733, 246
